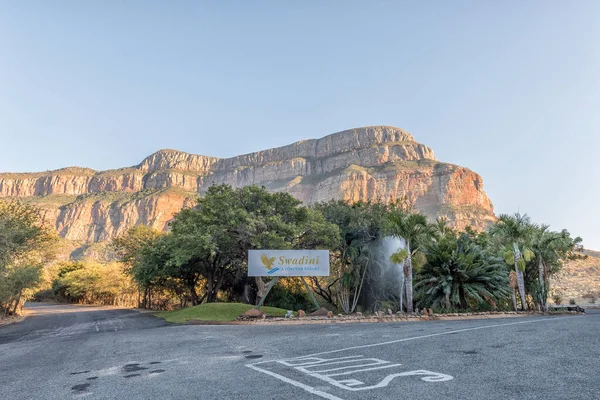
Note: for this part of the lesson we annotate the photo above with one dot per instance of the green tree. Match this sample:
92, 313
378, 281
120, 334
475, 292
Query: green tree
212, 240
416, 232
360, 225
133, 249
551, 250
26, 242
515, 232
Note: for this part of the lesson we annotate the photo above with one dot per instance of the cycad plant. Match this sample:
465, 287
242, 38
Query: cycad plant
459, 274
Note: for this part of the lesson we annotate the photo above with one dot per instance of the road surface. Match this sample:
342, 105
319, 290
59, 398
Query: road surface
69, 352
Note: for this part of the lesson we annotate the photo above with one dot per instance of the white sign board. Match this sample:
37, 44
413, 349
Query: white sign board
288, 263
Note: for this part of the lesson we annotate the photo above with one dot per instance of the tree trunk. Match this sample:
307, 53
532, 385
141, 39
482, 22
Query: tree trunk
262, 288
514, 299
409, 281
193, 294
543, 295
462, 298
520, 278
401, 309
17, 303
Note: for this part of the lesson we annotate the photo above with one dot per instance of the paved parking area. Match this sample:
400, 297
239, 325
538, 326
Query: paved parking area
121, 354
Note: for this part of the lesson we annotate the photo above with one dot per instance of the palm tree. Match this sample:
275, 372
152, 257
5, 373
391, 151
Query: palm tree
515, 231
550, 249
415, 231
459, 274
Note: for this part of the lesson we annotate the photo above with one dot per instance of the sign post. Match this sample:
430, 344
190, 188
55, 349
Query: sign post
280, 263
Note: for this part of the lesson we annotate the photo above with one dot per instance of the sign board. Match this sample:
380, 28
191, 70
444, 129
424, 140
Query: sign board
288, 263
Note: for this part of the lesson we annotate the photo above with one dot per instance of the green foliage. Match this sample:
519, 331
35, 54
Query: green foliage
359, 225
572, 302
535, 251
93, 283
459, 274
26, 242
289, 297
207, 247
399, 256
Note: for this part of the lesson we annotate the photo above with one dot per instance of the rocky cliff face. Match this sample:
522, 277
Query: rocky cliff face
374, 163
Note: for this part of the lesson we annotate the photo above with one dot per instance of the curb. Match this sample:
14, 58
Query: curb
381, 319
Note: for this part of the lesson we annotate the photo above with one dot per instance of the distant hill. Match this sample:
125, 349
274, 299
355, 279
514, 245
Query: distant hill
578, 278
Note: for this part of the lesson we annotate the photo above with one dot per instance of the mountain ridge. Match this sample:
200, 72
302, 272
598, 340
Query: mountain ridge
379, 163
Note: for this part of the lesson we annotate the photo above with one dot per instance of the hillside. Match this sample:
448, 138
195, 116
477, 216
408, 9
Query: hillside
372, 163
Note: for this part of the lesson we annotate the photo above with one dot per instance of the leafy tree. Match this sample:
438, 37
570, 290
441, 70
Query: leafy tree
212, 240
551, 250
26, 242
416, 232
132, 248
360, 225
89, 282
458, 273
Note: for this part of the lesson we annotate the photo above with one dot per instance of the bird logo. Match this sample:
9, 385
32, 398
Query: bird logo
267, 262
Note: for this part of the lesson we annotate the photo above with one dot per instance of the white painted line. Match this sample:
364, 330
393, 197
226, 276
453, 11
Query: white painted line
307, 388
425, 336
431, 335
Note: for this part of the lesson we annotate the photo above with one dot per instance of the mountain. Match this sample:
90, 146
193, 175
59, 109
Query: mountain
372, 163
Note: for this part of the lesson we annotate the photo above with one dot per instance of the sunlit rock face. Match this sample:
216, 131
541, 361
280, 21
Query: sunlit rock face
378, 163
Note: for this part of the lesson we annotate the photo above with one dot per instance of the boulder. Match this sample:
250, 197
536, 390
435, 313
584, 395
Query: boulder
301, 314
321, 312
253, 313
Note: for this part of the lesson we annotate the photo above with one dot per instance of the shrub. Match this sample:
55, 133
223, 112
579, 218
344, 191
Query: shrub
557, 299
591, 296
572, 302
286, 297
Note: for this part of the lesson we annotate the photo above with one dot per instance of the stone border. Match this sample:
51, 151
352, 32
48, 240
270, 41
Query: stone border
395, 318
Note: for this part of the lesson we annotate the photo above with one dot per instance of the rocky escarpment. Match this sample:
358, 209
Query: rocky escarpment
373, 163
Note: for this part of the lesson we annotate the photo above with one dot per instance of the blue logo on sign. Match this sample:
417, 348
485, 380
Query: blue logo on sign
273, 271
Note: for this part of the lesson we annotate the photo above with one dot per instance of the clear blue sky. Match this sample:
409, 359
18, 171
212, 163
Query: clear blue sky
509, 89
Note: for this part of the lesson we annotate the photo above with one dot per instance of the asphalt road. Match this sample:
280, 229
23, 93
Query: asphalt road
64, 352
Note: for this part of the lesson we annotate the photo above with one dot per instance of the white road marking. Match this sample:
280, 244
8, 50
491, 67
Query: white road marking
349, 383
307, 388
432, 335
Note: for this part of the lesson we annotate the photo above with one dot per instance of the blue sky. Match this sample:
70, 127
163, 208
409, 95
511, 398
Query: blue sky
509, 89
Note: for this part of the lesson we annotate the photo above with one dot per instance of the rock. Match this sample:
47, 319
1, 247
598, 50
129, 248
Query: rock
425, 312
301, 314
253, 313
322, 312
430, 312
377, 162
289, 314
329, 314
390, 312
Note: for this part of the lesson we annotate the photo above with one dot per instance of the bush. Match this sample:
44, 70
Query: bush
572, 302
591, 296
557, 299
285, 297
